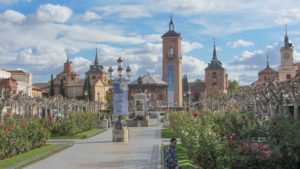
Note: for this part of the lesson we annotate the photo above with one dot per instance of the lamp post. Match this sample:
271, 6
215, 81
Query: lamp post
120, 132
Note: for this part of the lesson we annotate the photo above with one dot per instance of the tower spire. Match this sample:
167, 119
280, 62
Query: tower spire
96, 58
286, 38
268, 61
214, 51
171, 24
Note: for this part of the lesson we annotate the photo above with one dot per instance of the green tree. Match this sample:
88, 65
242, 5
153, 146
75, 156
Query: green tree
87, 87
185, 84
52, 90
233, 85
62, 89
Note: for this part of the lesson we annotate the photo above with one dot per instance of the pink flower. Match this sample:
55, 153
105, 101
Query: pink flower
11, 140
233, 137
2, 121
12, 127
265, 147
195, 114
4, 127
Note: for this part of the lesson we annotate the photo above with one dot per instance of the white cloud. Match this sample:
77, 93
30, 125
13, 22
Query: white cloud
11, 16
257, 59
53, 13
189, 46
287, 16
153, 38
125, 11
88, 16
240, 43
193, 67
80, 64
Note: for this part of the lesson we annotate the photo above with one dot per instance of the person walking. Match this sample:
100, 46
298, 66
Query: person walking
171, 156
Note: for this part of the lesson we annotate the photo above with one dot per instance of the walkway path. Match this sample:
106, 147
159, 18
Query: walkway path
142, 152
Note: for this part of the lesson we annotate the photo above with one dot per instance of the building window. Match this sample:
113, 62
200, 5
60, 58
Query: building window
214, 83
72, 78
171, 52
214, 75
288, 76
94, 77
64, 78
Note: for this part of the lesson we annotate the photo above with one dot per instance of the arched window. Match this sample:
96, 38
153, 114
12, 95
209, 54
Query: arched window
214, 83
214, 75
171, 52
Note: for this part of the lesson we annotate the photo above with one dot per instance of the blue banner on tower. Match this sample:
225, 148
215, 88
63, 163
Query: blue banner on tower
171, 85
120, 98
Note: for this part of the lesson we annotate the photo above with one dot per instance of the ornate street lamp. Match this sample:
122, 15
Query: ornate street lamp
120, 132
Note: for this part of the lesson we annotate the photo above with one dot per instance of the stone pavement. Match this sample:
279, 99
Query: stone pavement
142, 152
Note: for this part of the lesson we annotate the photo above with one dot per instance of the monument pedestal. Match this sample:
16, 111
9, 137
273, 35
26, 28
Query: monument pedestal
103, 123
120, 131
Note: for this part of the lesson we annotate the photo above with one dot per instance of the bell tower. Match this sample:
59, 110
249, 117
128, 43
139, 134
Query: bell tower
287, 70
172, 66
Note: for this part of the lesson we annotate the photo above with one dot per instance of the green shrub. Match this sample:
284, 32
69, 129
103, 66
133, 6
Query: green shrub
72, 124
21, 135
237, 139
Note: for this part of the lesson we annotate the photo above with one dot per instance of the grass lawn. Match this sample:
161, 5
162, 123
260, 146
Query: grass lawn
183, 160
21, 157
168, 133
82, 135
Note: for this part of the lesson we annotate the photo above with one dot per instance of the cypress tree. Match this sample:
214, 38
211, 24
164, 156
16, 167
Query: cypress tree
52, 90
62, 88
89, 89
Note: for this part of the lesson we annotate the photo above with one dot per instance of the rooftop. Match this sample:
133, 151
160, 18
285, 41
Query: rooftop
149, 80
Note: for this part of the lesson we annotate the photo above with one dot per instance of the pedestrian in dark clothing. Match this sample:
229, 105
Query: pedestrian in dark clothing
171, 156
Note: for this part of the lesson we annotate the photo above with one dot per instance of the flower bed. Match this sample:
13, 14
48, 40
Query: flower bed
71, 125
238, 140
21, 135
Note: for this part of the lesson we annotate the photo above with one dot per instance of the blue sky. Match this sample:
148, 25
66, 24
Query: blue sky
39, 35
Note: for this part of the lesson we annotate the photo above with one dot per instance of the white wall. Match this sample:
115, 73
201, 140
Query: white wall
4, 74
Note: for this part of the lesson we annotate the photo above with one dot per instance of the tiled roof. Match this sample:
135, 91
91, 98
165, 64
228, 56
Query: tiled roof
267, 70
171, 33
96, 69
150, 80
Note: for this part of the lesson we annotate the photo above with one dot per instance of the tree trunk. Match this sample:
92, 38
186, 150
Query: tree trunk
269, 108
296, 105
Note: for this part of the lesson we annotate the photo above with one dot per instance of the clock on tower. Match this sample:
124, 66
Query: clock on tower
287, 70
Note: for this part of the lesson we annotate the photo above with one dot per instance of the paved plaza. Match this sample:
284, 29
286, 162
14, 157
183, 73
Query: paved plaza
142, 152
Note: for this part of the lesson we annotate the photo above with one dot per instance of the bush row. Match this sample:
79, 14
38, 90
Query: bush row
232, 140
71, 124
21, 135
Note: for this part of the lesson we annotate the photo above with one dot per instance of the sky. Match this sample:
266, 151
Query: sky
38, 35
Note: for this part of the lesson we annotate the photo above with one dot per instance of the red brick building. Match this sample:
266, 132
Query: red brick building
9, 84
216, 78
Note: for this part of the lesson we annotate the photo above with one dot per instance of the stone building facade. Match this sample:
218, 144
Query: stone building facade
68, 76
216, 78
154, 89
172, 66
287, 69
22, 79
